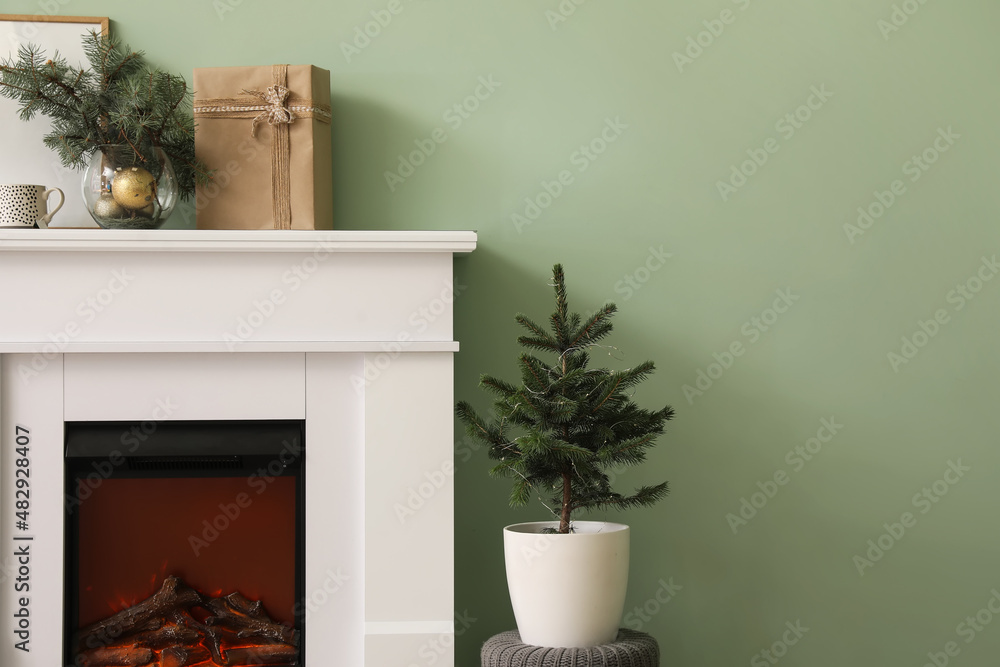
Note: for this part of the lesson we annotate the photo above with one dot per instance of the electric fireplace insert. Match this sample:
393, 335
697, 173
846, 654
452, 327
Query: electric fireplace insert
184, 544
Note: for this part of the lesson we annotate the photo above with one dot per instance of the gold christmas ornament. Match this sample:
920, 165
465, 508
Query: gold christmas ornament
107, 208
148, 212
133, 188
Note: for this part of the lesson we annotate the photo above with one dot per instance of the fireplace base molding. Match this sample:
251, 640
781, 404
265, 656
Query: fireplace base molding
350, 332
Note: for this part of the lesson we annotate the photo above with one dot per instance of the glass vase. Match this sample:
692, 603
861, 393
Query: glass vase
123, 191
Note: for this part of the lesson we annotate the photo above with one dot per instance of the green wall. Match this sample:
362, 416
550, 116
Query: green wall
854, 292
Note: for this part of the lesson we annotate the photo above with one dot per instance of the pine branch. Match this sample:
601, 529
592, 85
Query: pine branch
36, 94
539, 343
637, 374
610, 393
533, 328
630, 451
68, 89
520, 493
643, 497
534, 373
476, 426
521, 399
117, 100
170, 113
497, 386
559, 318
597, 326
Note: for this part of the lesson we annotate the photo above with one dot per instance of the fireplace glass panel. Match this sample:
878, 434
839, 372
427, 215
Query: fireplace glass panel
184, 544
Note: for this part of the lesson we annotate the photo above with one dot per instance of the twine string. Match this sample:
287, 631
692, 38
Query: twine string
276, 111
279, 108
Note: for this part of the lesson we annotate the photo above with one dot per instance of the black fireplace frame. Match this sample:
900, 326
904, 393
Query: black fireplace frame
174, 449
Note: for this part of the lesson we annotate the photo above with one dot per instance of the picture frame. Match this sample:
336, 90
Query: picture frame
23, 156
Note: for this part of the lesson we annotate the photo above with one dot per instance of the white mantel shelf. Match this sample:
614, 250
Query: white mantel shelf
182, 347
185, 240
190, 291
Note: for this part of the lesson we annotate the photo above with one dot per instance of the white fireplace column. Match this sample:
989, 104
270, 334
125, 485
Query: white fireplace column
349, 331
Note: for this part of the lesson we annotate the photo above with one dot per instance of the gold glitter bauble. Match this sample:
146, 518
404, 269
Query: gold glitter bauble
107, 208
148, 212
133, 188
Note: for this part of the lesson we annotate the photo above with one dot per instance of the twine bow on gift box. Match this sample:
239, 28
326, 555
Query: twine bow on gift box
280, 108
276, 111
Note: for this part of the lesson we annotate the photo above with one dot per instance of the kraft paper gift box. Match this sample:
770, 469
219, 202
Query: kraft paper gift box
265, 131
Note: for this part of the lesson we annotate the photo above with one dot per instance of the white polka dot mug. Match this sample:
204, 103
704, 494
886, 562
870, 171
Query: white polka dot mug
27, 205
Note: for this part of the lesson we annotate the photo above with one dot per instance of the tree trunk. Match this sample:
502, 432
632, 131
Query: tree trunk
566, 503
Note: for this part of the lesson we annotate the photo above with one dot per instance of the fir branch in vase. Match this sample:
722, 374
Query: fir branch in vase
119, 100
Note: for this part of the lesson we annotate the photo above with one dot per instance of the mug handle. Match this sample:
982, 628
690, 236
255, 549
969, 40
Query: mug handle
43, 222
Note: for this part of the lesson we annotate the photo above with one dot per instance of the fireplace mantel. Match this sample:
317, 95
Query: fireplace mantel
177, 240
188, 291
349, 331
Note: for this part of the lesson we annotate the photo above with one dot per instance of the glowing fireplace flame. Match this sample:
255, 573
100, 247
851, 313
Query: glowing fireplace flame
181, 627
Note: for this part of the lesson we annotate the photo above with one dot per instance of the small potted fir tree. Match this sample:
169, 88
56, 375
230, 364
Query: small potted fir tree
556, 434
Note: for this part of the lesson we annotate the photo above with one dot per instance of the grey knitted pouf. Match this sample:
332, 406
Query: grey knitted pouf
630, 649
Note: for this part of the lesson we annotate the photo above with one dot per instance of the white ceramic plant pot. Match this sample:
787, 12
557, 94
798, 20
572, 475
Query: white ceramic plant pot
567, 590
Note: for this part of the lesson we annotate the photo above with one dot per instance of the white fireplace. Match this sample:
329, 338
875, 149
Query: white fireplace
349, 333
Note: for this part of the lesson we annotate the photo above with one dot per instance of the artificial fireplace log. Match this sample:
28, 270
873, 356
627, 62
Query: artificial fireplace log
180, 627
182, 656
173, 595
111, 636
248, 621
211, 637
277, 654
125, 656
249, 607
170, 635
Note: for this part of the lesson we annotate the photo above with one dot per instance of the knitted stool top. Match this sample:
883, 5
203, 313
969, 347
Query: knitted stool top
630, 649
